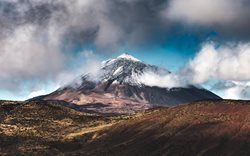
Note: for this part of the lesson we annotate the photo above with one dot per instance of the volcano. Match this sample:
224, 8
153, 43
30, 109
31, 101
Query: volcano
117, 89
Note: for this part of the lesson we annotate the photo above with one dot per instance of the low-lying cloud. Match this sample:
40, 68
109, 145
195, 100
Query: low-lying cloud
225, 62
91, 67
228, 63
168, 80
234, 90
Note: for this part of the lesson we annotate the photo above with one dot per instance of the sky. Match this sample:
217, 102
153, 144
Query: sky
44, 44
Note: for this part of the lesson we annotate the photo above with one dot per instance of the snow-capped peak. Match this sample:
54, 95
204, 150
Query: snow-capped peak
124, 56
125, 69
128, 57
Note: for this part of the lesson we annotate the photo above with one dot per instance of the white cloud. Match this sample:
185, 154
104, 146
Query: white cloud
90, 64
33, 49
229, 19
34, 42
230, 62
26, 55
206, 11
22, 54
167, 80
37, 93
237, 91
35, 33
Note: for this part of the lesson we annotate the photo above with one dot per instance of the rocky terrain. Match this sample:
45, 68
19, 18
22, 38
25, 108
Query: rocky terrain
43, 127
215, 127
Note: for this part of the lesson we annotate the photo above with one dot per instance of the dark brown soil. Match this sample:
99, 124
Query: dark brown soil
201, 128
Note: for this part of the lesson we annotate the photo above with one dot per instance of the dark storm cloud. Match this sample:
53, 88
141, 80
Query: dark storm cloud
18, 13
35, 33
105, 22
114, 22
229, 18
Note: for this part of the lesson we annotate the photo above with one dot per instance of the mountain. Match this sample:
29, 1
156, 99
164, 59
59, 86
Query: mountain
117, 88
205, 128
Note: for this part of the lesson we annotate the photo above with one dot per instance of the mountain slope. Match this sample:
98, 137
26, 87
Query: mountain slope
117, 88
205, 128
43, 127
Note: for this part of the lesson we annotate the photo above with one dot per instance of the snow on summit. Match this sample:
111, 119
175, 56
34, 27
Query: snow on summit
125, 56
128, 57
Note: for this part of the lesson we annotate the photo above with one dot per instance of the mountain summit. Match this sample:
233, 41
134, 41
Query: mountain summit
117, 88
128, 57
126, 69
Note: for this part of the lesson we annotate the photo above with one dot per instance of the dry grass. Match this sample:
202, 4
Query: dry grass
200, 128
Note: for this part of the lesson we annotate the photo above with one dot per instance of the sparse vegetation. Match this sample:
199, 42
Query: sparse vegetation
35, 126
200, 128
